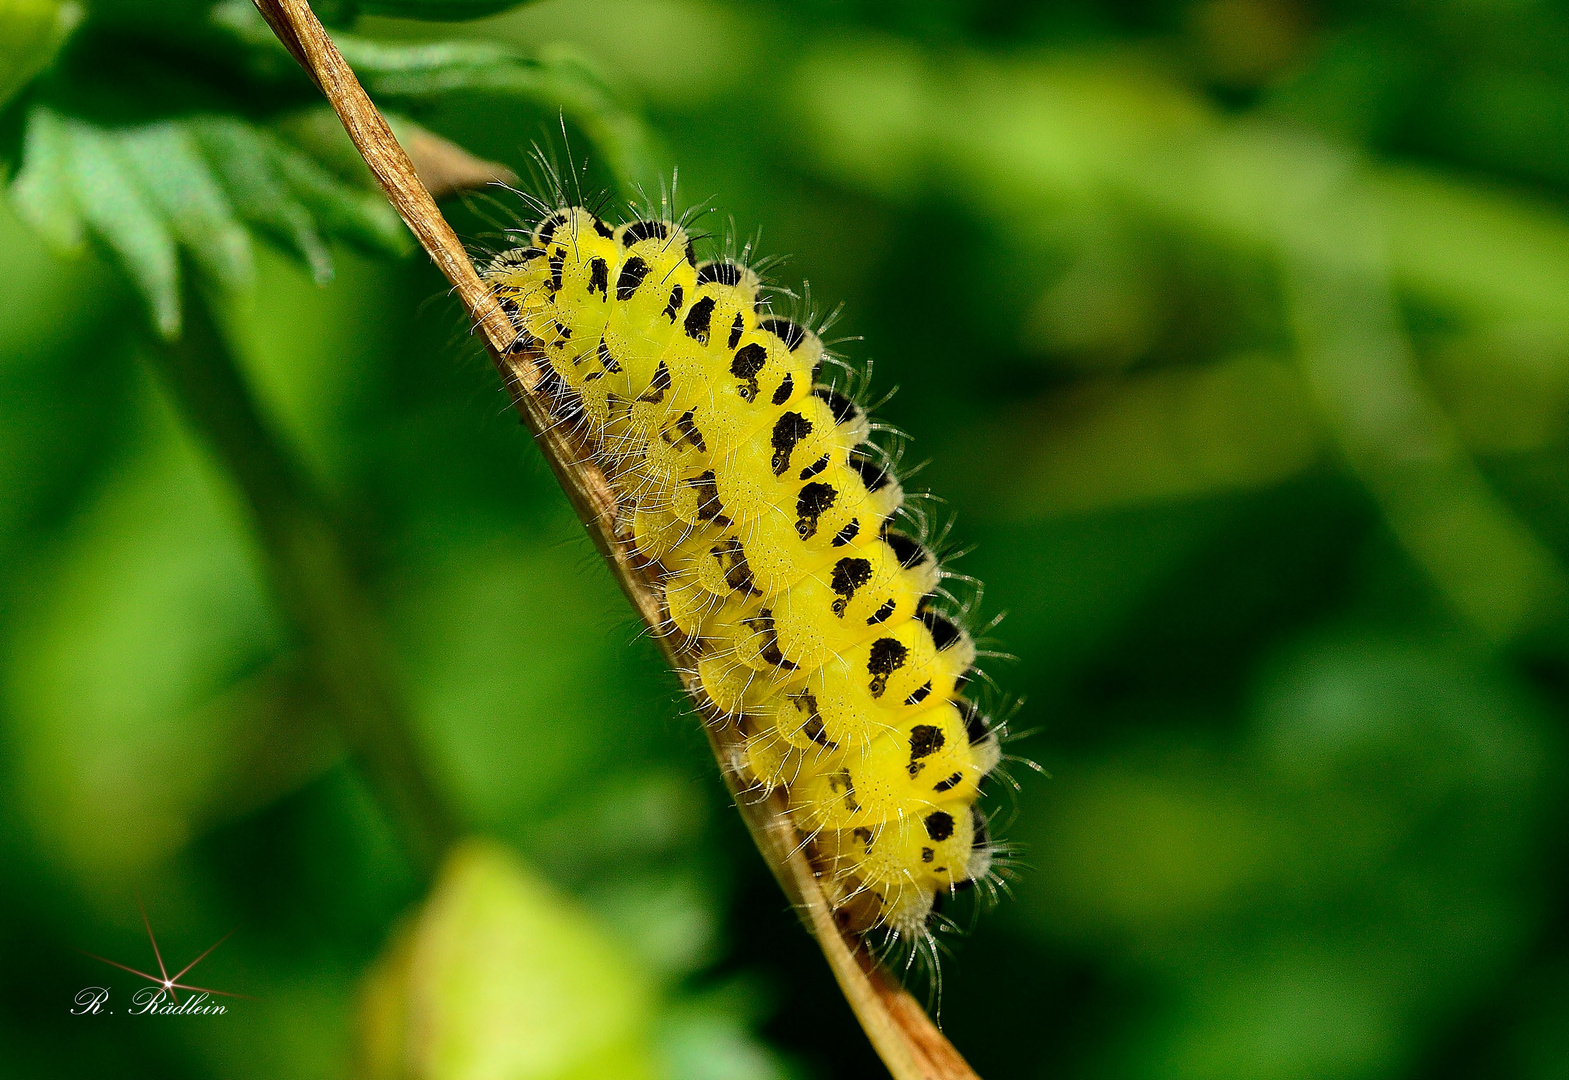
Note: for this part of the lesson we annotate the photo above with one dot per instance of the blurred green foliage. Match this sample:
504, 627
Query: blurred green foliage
1236, 333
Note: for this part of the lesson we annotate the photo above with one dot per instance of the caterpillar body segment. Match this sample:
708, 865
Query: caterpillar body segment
809, 617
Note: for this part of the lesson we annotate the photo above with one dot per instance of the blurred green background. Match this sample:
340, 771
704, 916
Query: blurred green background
1236, 333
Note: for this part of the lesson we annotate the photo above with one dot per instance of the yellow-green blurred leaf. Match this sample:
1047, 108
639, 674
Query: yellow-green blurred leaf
500, 978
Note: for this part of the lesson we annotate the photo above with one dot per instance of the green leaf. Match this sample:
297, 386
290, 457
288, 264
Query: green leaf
500, 977
125, 216
151, 190
31, 34
194, 184
246, 160
559, 78
431, 68
171, 167
364, 217
42, 191
279, 188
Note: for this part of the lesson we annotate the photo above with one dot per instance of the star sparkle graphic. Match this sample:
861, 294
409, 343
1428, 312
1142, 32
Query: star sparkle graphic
163, 980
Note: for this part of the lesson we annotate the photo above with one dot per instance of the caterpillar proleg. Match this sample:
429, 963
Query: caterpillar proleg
811, 610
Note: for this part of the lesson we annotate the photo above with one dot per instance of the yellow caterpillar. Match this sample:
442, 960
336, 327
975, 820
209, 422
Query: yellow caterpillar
753, 488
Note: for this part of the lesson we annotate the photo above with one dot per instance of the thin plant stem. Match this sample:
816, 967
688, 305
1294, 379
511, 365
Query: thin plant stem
309, 558
903, 1035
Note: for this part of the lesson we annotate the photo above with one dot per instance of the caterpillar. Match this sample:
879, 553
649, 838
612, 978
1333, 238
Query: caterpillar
753, 489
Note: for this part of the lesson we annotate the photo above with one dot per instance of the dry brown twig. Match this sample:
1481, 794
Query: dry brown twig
905, 1037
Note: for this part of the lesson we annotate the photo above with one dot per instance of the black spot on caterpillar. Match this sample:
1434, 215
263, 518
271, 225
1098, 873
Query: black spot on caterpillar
785, 330
944, 632
516, 259
748, 361
697, 320
547, 228
689, 433
924, 739
732, 562
786, 390
841, 407
975, 726
606, 361
789, 429
637, 231
632, 274
644, 230
812, 724
813, 469
909, 552
872, 475
888, 655
848, 576
657, 386
724, 272
814, 501
708, 504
